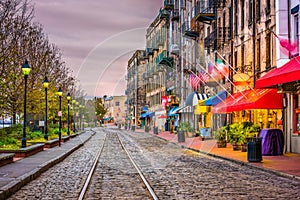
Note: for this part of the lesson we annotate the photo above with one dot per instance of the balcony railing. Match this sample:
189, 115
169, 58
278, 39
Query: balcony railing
164, 14
188, 31
175, 14
216, 39
163, 59
206, 10
169, 4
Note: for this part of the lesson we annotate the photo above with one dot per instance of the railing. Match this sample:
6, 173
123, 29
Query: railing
160, 57
217, 38
175, 14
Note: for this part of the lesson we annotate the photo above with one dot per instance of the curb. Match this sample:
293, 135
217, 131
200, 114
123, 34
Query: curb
19, 182
278, 173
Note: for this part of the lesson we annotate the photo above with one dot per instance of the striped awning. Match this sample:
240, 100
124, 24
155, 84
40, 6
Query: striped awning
193, 98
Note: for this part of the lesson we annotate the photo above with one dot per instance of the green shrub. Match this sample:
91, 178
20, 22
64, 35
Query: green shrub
34, 135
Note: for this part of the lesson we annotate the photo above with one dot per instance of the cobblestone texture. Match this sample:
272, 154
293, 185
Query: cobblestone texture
174, 173
115, 177
65, 180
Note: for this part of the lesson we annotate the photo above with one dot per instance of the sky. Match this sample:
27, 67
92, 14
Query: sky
97, 37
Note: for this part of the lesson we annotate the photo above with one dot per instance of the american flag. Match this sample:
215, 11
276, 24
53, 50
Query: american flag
195, 80
204, 76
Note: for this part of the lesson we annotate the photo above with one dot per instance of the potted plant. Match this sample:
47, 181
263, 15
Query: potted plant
198, 134
237, 135
187, 128
220, 135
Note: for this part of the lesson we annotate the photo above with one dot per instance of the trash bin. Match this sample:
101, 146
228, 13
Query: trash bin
155, 130
254, 149
181, 136
133, 128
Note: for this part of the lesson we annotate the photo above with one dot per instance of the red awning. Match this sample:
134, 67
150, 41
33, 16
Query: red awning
289, 72
251, 99
231, 100
163, 117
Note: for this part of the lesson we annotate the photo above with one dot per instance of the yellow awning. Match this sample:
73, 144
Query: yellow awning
201, 102
202, 109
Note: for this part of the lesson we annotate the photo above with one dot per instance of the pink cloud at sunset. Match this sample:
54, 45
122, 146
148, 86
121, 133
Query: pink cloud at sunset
97, 37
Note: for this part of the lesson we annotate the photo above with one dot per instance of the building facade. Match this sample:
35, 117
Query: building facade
196, 37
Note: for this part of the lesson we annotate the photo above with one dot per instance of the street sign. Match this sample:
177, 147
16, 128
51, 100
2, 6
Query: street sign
59, 113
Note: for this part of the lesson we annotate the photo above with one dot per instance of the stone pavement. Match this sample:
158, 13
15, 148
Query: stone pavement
285, 165
15, 175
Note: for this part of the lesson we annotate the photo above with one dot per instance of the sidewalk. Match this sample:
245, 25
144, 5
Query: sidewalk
15, 175
286, 165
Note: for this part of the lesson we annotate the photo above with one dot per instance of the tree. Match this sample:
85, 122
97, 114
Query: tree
100, 110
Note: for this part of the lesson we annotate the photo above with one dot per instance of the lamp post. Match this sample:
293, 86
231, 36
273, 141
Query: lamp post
26, 71
46, 84
81, 116
74, 114
59, 114
68, 98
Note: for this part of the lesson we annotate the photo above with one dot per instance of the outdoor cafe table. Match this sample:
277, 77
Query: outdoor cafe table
272, 142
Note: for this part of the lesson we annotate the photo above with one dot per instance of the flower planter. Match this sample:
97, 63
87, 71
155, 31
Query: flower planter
244, 147
236, 147
221, 144
189, 134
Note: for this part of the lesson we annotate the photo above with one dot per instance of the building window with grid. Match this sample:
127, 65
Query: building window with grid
242, 14
268, 50
243, 58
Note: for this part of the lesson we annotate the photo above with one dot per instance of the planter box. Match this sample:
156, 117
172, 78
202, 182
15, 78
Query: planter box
27, 151
222, 144
51, 143
65, 138
73, 135
6, 158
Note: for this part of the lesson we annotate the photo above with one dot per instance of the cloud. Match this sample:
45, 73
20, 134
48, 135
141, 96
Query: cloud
97, 37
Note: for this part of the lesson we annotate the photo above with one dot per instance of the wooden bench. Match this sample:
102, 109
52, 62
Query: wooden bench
6, 158
26, 151
51, 143
65, 138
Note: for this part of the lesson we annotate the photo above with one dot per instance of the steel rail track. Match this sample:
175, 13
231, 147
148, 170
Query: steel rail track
93, 169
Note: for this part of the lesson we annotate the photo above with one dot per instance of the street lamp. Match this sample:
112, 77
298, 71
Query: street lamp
81, 116
26, 70
68, 98
77, 115
46, 84
59, 114
74, 113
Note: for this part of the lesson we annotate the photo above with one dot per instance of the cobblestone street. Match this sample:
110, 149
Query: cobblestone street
173, 173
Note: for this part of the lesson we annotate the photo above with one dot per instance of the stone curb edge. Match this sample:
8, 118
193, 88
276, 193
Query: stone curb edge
17, 184
282, 174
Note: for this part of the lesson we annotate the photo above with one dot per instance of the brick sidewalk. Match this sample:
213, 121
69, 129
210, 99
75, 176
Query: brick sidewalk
288, 164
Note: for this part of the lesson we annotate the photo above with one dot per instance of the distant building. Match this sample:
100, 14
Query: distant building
116, 108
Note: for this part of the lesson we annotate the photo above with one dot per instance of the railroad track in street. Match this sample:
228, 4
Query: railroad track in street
116, 176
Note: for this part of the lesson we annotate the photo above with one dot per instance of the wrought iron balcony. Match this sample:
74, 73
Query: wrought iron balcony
205, 11
175, 49
169, 4
164, 14
163, 59
216, 39
175, 14
189, 31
